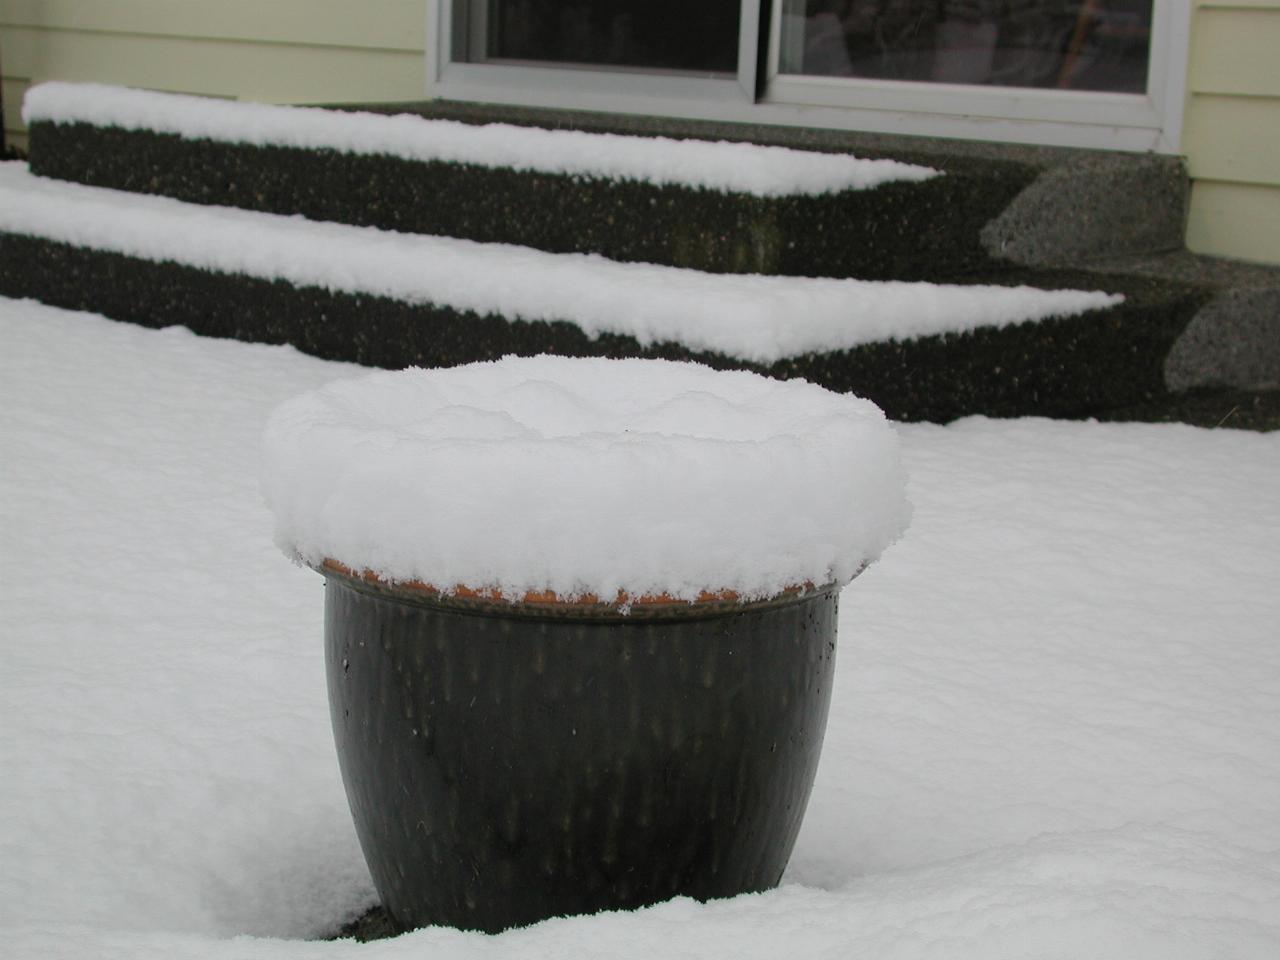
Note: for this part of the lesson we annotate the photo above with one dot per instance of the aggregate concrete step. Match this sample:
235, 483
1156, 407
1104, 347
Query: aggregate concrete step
1071, 366
986, 211
1211, 407
1233, 341
1067, 204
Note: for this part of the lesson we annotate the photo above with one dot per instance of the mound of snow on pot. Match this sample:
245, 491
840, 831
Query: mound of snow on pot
585, 477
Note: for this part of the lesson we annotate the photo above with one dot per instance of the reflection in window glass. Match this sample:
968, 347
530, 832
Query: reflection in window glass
1064, 44
645, 34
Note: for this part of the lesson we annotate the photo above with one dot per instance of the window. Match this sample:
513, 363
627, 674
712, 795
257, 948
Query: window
1050, 44
1097, 73
629, 56
620, 34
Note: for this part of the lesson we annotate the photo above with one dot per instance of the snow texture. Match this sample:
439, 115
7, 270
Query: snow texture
586, 477
752, 317
711, 165
1054, 733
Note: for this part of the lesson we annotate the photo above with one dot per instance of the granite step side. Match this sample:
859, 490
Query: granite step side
1097, 361
1233, 341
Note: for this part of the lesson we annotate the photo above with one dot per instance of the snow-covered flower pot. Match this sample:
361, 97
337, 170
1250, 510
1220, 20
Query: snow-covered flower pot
580, 620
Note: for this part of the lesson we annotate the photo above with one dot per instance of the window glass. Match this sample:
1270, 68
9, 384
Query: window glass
645, 34
1100, 45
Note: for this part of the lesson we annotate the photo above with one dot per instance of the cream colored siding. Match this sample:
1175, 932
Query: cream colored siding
1235, 139
282, 51
253, 71
1235, 220
393, 24
1231, 134
1235, 51
11, 92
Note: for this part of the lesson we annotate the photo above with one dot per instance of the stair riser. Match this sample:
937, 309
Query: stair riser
907, 231
1066, 367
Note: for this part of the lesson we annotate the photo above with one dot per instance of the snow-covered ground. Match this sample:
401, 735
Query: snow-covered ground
1055, 731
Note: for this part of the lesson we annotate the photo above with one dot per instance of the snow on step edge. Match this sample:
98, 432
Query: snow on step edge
754, 318
715, 165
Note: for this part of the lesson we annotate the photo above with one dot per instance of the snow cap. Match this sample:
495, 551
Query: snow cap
585, 477
750, 168
751, 317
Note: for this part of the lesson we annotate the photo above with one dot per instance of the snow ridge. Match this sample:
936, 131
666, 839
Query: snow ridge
720, 165
529, 474
754, 318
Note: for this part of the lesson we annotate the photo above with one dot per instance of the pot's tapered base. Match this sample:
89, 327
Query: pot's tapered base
505, 767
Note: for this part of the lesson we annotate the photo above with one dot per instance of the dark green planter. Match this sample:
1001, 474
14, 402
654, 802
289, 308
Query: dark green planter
506, 763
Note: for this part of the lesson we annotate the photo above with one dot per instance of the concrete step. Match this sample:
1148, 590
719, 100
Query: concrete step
1233, 341
987, 210
355, 294
1211, 407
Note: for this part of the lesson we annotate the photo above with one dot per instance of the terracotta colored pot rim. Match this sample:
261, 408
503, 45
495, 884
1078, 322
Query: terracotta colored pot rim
548, 601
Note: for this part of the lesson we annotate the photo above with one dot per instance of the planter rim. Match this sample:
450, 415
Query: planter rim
547, 603
585, 475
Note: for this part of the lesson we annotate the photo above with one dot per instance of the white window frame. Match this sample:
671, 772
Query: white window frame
1112, 121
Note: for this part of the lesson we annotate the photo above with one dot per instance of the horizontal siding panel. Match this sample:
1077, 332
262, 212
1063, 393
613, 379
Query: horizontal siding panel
11, 90
1238, 4
382, 24
1231, 220
1234, 52
1233, 138
251, 71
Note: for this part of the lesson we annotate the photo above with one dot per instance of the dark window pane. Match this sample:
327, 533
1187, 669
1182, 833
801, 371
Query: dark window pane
700, 36
1064, 44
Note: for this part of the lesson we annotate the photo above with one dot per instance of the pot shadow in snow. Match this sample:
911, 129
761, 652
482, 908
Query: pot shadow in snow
373, 924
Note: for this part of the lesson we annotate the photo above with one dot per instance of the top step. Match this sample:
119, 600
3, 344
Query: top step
693, 200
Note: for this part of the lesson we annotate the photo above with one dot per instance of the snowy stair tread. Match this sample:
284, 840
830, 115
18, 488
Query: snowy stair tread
718, 206
392, 299
728, 167
753, 318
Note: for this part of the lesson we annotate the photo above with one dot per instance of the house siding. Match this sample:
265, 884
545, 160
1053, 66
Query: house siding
1231, 134
280, 51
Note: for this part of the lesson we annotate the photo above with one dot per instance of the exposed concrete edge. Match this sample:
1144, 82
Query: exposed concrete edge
1094, 207
1233, 341
921, 148
1183, 266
